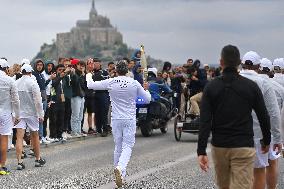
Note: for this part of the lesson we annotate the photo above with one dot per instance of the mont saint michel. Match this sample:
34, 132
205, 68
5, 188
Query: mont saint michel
93, 37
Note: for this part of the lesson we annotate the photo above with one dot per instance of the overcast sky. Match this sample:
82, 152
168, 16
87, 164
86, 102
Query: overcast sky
172, 30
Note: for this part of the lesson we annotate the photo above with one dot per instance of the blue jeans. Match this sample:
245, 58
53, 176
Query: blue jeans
44, 105
77, 107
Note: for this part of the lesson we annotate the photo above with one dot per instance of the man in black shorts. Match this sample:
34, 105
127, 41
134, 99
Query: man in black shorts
90, 101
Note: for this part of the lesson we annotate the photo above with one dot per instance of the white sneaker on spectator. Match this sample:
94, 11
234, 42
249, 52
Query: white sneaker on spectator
24, 143
56, 140
44, 141
49, 139
83, 134
68, 135
64, 136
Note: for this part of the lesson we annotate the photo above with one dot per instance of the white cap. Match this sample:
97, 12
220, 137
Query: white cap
4, 63
279, 62
28, 68
154, 70
266, 63
26, 61
251, 58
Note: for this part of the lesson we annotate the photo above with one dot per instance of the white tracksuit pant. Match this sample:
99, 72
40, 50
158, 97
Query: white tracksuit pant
123, 131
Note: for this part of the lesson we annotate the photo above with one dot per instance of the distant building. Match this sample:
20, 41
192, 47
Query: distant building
97, 31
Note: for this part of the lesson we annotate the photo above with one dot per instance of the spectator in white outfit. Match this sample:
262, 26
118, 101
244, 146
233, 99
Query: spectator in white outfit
31, 113
9, 103
123, 92
250, 64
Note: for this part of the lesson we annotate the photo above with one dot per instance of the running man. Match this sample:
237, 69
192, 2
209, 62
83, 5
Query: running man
31, 113
123, 92
9, 103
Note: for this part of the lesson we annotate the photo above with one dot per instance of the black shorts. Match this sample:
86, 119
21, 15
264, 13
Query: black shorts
90, 104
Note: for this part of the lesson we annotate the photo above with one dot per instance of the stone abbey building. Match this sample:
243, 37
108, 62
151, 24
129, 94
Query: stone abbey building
97, 31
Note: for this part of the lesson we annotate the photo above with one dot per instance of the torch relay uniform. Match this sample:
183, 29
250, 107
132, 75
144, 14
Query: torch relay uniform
31, 108
274, 113
123, 92
9, 103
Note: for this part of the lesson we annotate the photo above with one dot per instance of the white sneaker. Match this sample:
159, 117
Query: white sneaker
83, 134
49, 139
56, 140
64, 135
68, 135
118, 177
12, 146
44, 141
24, 143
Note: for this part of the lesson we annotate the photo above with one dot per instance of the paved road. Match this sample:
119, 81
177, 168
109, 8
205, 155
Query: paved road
157, 162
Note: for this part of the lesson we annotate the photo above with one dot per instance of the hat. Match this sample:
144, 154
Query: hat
251, 58
278, 62
206, 65
265, 65
26, 61
3, 63
74, 61
153, 70
121, 67
28, 68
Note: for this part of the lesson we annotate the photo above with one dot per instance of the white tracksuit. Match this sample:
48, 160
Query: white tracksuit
9, 103
123, 93
30, 103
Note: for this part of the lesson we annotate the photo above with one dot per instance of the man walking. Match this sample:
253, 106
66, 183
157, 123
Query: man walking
31, 113
250, 65
9, 103
123, 92
226, 108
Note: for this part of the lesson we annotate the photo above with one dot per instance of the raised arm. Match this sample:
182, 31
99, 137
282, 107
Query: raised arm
97, 85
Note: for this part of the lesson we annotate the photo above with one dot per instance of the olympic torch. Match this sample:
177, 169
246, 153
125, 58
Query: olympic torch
143, 63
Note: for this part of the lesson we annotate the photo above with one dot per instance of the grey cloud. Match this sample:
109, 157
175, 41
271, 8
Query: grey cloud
170, 29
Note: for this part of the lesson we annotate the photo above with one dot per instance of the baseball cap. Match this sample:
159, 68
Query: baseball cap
26, 61
266, 65
251, 58
278, 62
153, 70
28, 68
75, 61
4, 63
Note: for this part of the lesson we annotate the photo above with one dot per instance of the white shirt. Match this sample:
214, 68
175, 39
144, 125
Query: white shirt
123, 93
30, 97
271, 104
9, 98
48, 87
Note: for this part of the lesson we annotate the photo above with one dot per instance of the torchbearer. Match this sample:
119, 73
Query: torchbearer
123, 92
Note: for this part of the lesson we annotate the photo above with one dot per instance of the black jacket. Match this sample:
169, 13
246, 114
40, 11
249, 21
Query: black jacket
98, 76
78, 82
226, 108
57, 90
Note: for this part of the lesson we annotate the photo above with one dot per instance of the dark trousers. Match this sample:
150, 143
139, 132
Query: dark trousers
67, 115
46, 115
101, 111
56, 120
